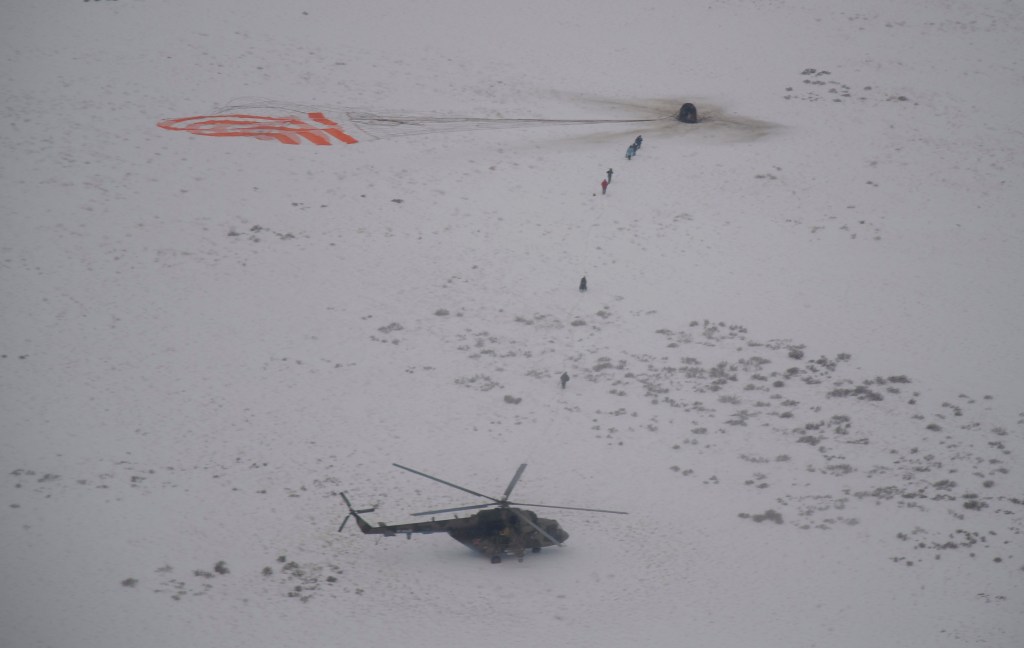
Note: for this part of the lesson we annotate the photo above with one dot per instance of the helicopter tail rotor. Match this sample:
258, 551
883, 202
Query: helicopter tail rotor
354, 513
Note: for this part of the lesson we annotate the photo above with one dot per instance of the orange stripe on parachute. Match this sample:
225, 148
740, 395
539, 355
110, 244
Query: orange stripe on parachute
334, 128
287, 130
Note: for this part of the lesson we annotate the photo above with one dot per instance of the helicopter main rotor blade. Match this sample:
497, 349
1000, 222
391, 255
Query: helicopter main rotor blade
452, 510
541, 531
512, 484
569, 508
446, 483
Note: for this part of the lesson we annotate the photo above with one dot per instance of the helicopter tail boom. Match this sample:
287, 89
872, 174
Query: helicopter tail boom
394, 529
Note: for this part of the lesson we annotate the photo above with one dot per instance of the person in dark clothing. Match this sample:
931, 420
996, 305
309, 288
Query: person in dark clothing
631, 151
638, 142
564, 379
610, 176
583, 284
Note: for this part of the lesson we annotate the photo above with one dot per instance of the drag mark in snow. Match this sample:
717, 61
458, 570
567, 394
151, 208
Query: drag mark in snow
287, 130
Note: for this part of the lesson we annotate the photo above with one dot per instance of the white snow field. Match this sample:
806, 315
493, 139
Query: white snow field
798, 364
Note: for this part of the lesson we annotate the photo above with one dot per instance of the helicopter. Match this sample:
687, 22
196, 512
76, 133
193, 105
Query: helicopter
500, 529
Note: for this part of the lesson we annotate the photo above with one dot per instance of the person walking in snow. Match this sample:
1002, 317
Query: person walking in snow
638, 142
631, 151
583, 284
604, 186
610, 176
564, 379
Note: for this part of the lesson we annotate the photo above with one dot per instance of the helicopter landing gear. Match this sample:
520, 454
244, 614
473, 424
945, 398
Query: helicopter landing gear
495, 560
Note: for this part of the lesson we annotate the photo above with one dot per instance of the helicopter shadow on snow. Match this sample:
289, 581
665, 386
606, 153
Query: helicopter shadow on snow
446, 554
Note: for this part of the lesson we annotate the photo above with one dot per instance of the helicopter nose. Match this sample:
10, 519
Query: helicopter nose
560, 534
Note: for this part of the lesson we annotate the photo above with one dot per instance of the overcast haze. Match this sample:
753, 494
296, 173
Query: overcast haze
797, 366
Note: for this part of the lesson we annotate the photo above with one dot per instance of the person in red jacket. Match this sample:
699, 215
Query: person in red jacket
604, 186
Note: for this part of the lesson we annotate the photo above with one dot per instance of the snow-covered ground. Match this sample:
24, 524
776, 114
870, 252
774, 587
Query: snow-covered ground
798, 365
